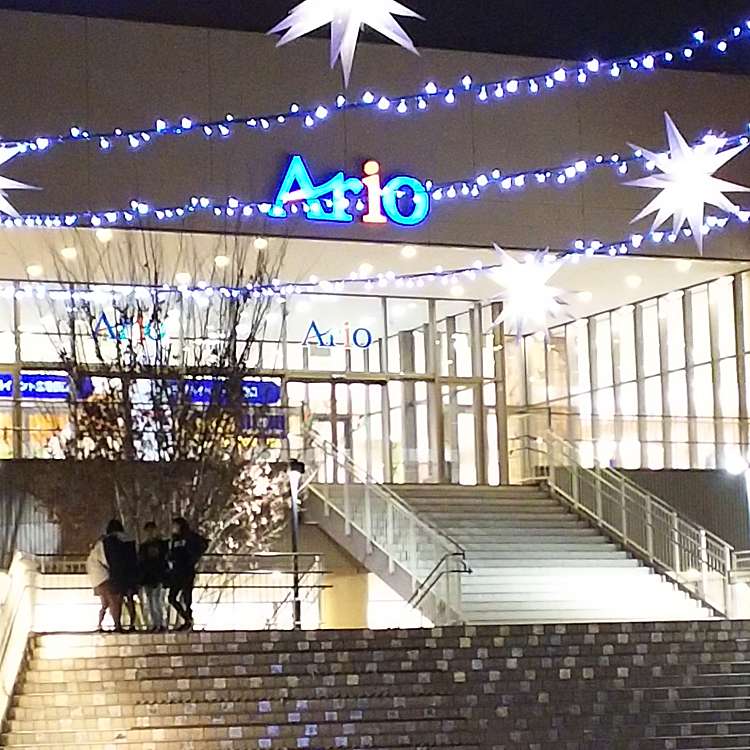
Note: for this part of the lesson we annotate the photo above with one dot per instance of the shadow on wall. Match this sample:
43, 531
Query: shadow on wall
714, 499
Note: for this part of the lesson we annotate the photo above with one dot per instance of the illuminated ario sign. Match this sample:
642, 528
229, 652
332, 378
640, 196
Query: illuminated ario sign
347, 337
401, 200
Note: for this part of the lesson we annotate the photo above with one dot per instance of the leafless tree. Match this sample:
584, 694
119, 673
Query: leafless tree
158, 334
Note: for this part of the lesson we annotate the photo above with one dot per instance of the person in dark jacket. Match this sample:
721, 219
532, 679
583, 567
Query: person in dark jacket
152, 565
185, 551
122, 560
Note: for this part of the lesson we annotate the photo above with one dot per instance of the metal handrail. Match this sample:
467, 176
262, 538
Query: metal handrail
402, 536
687, 553
339, 453
426, 586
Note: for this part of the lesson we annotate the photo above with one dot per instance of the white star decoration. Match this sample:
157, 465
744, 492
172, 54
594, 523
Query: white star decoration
528, 301
346, 17
6, 154
687, 183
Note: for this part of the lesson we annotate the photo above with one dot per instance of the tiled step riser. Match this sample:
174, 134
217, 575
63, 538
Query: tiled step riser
733, 656
603, 667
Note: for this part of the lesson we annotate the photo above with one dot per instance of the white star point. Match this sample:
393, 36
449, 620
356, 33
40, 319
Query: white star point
687, 182
346, 17
529, 302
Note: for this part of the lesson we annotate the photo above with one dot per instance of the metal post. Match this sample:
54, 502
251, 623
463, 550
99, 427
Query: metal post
728, 591
650, 528
676, 562
704, 563
295, 472
624, 508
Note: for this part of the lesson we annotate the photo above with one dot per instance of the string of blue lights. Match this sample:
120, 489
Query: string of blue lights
400, 104
280, 208
581, 250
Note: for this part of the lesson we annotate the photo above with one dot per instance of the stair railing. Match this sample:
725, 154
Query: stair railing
387, 523
693, 557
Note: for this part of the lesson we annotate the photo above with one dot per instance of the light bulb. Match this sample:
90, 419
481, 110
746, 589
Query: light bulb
104, 235
34, 270
182, 278
409, 251
222, 261
260, 243
69, 253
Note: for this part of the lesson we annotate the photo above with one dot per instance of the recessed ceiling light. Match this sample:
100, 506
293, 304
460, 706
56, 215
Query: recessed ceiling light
260, 243
585, 297
409, 251
104, 235
633, 281
34, 270
182, 278
69, 253
221, 261
684, 265
366, 269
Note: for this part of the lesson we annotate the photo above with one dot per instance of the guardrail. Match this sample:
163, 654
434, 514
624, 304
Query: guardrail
689, 554
388, 523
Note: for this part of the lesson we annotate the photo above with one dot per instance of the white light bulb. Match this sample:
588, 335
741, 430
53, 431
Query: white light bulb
585, 297
34, 270
260, 243
409, 251
104, 235
222, 261
684, 265
182, 278
69, 253
366, 269
633, 281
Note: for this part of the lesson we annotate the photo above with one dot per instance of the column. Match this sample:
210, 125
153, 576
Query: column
501, 398
475, 320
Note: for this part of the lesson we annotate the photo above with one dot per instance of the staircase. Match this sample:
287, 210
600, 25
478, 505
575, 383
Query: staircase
643, 686
534, 561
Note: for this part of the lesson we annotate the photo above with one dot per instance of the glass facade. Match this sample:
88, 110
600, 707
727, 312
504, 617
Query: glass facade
424, 390
657, 384
409, 386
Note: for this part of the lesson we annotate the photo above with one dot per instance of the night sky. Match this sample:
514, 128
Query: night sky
574, 29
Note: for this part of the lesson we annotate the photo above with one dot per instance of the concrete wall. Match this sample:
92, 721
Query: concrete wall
714, 499
102, 74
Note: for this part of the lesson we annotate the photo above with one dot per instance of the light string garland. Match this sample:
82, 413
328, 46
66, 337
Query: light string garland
367, 282
397, 104
234, 208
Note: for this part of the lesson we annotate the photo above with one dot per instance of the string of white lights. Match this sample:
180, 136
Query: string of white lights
364, 279
417, 102
139, 210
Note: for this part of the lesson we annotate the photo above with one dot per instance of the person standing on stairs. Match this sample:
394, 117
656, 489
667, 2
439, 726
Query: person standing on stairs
97, 569
152, 564
185, 551
122, 560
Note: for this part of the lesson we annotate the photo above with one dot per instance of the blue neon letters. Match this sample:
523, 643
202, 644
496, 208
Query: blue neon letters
402, 200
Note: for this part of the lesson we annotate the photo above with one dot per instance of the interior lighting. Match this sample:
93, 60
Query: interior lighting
684, 265
633, 281
182, 278
260, 243
69, 253
409, 251
34, 270
221, 261
104, 235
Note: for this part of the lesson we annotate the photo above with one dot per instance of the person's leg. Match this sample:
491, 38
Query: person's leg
130, 603
115, 608
102, 611
175, 590
187, 598
144, 595
156, 607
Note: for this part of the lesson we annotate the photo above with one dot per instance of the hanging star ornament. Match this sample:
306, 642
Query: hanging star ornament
529, 302
346, 18
6, 154
687, 181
